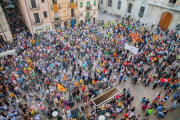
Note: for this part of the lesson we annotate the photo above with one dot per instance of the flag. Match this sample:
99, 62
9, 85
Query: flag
55, 7
76, 83
64, 77
155, 37
61, 88
87, 22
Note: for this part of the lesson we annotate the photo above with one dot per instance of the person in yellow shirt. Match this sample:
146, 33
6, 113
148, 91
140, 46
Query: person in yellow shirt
98, 70
93, 82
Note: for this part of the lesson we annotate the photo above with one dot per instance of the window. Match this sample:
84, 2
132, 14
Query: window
64, 12
72, 13
42, 1
81, 22
94, 3
71, 0
81, 4
141, 11
101, 1
47, 27
45, 14
63, 1
172, 1
129, 8
88, 3
33, 3
81, 14
54, 2
119, 5
110, 3
36, 18
88, 14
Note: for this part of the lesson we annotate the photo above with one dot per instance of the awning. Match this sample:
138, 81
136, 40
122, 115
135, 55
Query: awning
39, 28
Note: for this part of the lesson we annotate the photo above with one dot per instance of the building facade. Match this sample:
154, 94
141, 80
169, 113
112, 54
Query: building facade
165, 13
88, 10
63, 13
36, 14
5, 33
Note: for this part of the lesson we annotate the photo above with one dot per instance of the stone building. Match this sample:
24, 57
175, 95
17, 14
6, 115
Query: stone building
5, 33
63, 13
35, 14
165, 13
88, 10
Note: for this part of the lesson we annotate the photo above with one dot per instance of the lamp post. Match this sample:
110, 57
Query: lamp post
70, 100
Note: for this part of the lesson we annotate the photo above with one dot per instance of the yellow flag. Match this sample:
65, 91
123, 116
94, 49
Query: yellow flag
61, 88
55, 7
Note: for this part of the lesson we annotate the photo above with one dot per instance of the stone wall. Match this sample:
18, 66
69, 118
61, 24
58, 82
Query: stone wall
152, 13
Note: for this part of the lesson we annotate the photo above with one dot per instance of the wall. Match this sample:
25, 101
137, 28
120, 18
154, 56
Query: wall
84, 11
43, 7
5, 27
152, 11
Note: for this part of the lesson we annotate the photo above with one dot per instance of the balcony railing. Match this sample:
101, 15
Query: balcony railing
89, 8
34, 6
38, 22
57, 19
87, 17
58, 5
165, 5
69, 4
73, 16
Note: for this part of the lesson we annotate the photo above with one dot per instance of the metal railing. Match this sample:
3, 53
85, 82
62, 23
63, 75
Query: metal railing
106, 89
59, 6
89, 8
57, 19
34, 6
39, 22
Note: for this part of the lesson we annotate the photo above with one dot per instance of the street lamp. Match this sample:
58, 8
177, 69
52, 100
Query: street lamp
70, 100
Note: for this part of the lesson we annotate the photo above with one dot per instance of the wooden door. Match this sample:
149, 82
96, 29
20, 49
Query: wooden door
164, 21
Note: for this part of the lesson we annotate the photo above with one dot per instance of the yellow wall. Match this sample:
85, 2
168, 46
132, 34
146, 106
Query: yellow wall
64, 12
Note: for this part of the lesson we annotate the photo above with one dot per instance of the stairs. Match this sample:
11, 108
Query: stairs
106, 95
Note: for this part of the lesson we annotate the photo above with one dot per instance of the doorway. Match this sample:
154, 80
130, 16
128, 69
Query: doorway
73, 22
165, 21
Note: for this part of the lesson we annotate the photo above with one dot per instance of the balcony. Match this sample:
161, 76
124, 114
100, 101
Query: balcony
57, 19
38, 22
89, 8
34, 7
88, 17
72, 4
58, 6
164, 5
73, 16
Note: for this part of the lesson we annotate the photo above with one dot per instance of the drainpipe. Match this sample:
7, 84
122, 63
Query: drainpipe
49, 10
29, 16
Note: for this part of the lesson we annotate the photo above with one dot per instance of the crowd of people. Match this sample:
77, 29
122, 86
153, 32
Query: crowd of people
33, 82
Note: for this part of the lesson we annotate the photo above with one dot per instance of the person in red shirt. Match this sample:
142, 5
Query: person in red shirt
126, 115
144, 107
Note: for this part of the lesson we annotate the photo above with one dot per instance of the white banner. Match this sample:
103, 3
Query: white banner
131, 48
10, 52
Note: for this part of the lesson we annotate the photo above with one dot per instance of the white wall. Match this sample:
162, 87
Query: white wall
151, 15
83, 9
